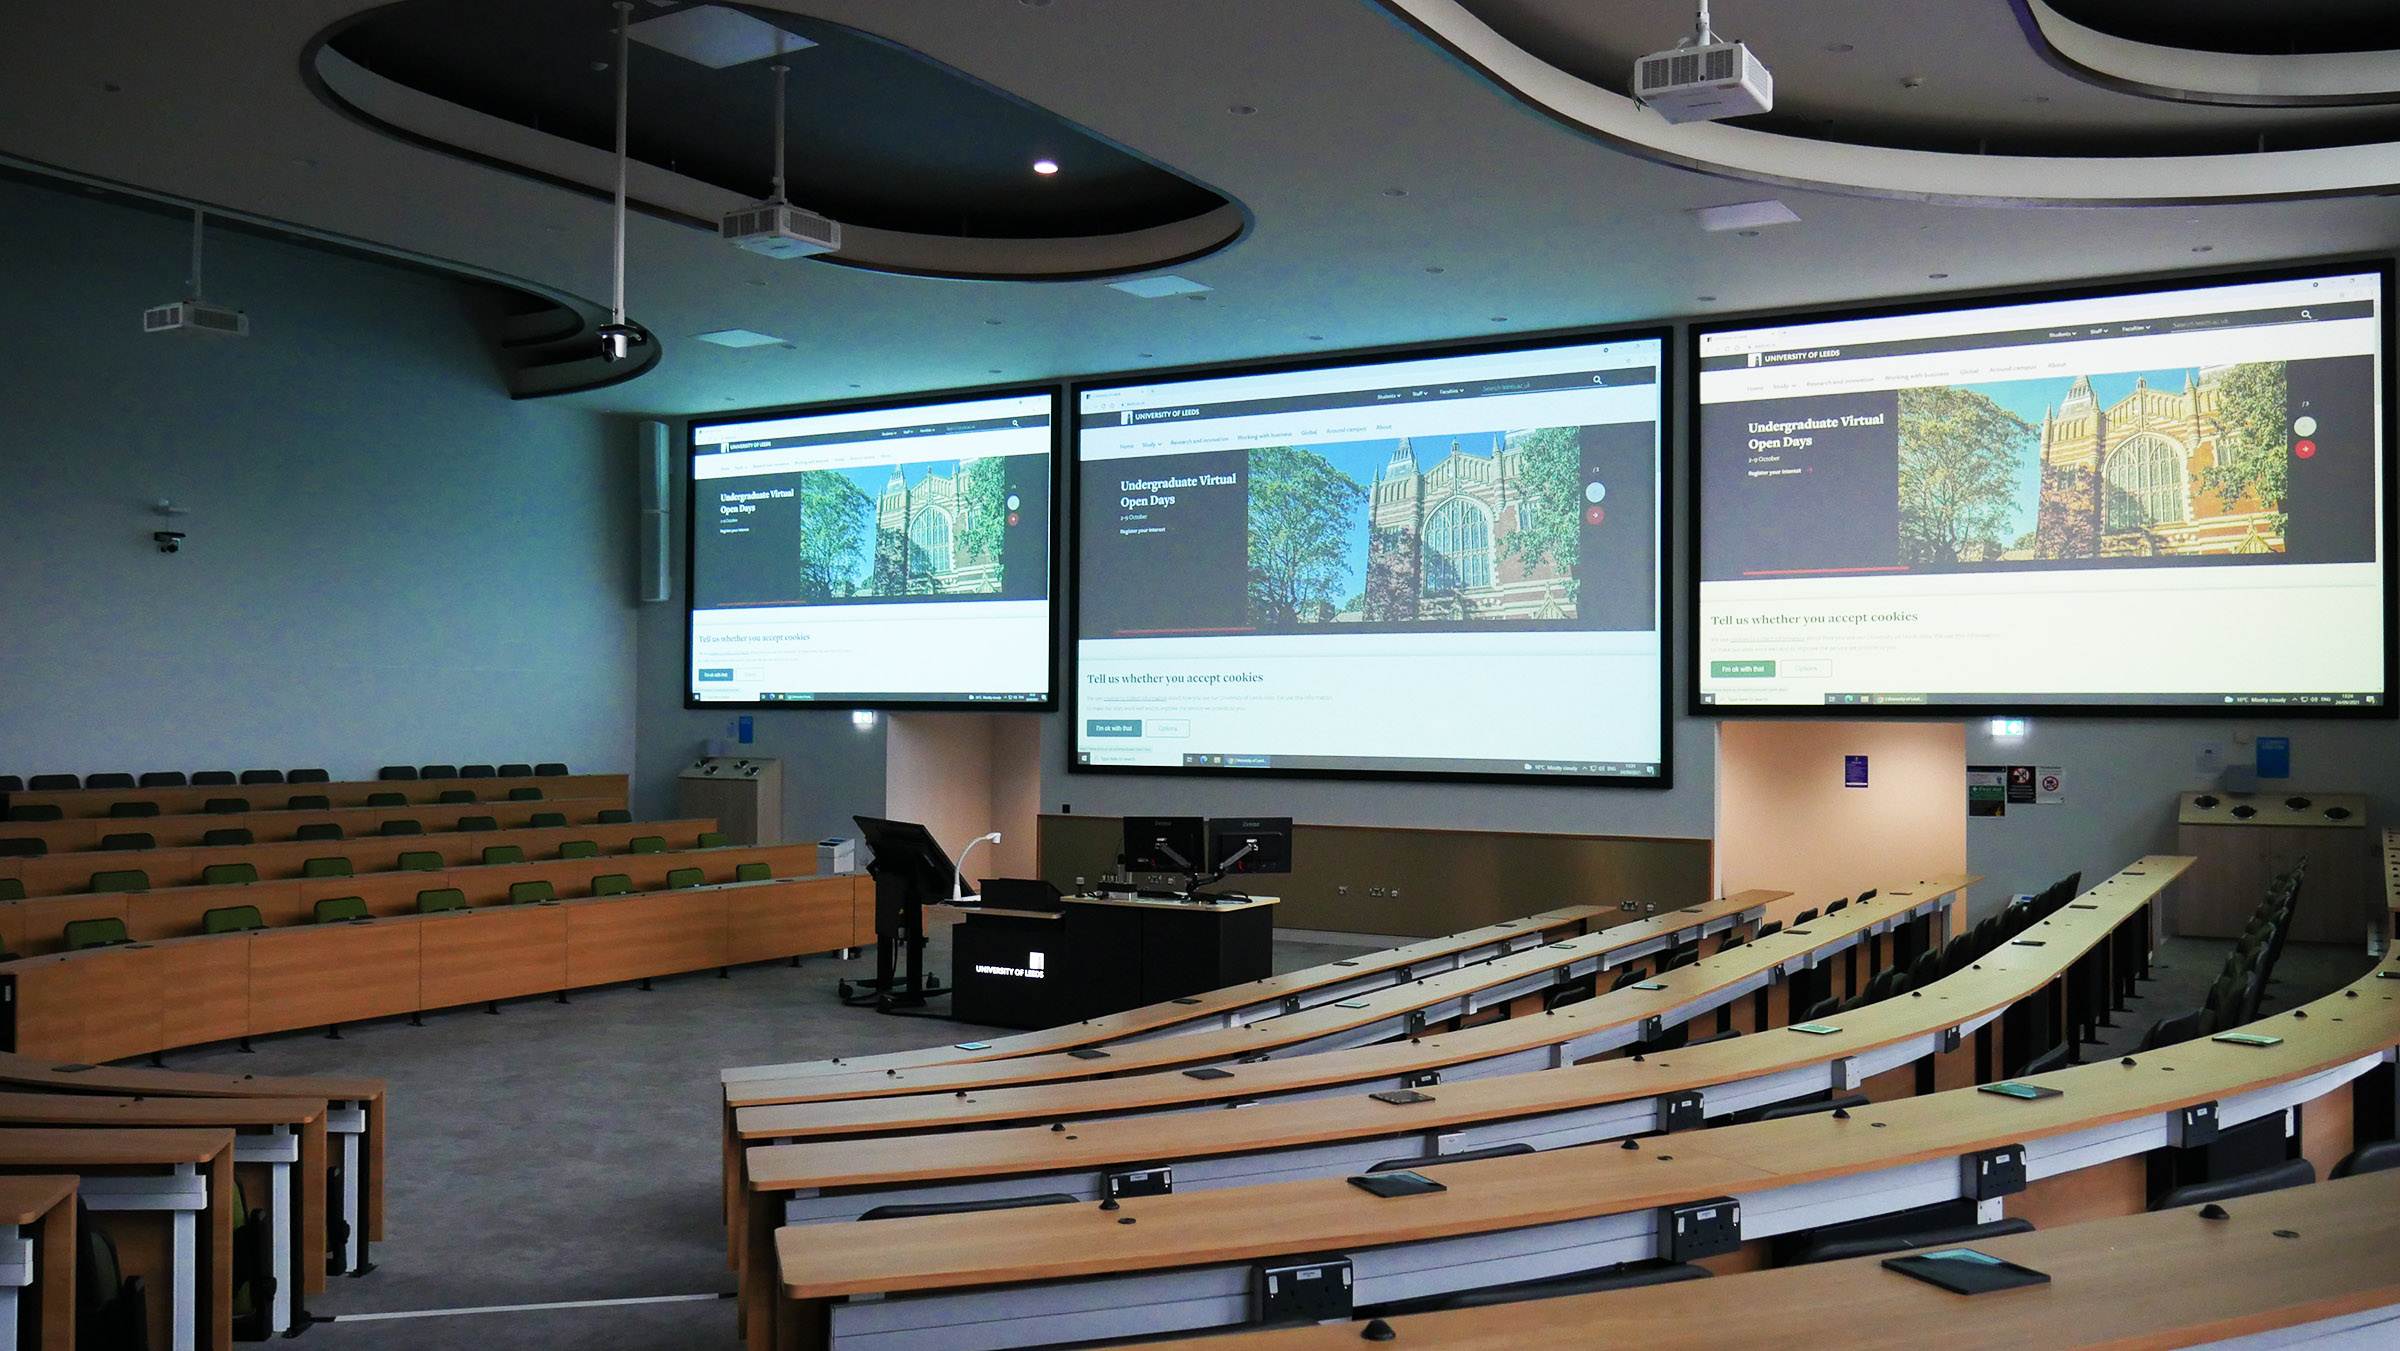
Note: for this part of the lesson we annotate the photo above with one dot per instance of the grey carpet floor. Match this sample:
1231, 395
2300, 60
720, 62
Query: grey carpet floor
565, 1152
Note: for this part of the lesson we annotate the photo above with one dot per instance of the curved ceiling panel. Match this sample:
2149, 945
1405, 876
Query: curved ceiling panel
2197, 66
1946, 103
928, 171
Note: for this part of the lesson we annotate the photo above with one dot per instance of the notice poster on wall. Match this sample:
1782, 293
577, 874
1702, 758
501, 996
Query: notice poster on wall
1987, 790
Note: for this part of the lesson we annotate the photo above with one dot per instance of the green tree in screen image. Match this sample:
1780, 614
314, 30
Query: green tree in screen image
2252, 459
1550, 474
1301, 509
982, 506
836, 520
1959, 453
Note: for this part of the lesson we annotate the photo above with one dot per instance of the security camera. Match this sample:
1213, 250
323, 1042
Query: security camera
168, 540
617, 341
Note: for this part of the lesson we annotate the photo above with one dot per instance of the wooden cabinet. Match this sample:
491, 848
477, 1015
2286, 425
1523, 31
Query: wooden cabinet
2244, 840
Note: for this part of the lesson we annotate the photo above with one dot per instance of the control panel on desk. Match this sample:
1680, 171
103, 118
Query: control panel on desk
725, 767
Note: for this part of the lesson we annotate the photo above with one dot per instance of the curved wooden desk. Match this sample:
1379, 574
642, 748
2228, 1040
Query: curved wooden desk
2313, 1259
1183, 1264
1233, 1006
1397, 1011
185, 1176
354, 1119
45, 1205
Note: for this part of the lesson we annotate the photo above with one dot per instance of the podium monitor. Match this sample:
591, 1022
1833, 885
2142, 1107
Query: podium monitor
1165, 844
1252, 844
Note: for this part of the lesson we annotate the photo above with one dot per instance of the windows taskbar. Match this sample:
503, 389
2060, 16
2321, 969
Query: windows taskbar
2018, 698
1622, 769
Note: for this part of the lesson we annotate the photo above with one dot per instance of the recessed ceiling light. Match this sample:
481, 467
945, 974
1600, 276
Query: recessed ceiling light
1937, 276
738, 337
1145, 354
994, 322
1436, 270
1744, 215
1499, 318
1912, 82
1710, 298
2203, 248
1316, 337
1395, 192
1747, 234
1045, 166
995, 370
1839, 47
757, 281
1154, 288
1241, 110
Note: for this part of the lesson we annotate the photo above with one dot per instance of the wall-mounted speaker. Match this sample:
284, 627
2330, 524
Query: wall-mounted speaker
651, 535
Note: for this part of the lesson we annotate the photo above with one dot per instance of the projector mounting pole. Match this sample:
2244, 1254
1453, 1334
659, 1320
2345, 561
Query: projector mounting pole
616, 309
1703, 35
198, 292
782, 73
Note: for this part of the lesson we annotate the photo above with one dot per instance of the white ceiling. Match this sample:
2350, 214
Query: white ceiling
1533, 226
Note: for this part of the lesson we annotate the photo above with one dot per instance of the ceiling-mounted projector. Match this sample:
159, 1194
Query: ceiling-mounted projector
781, 230
1704, 79
194, 316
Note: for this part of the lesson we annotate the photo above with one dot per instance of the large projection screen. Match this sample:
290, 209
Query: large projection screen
1440, 564
2170, 499
893, 555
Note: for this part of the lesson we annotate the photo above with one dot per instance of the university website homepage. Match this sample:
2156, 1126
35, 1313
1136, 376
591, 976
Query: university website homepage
2161, 499
888, 555
1439, 566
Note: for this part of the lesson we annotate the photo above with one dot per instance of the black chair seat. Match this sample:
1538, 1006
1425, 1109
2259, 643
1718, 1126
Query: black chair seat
2290, 1173
2372, 1158
514, 771
51, 783
1834, 1250
306, 776
214, 778
109, 781
1806, 1107
437, 771
397, 772
262, 776
164, 778
550, 769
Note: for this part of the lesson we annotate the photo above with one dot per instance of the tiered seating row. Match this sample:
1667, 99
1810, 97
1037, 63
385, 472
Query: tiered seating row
83, 837
94, 803
36, 926
68, 874
112, 1002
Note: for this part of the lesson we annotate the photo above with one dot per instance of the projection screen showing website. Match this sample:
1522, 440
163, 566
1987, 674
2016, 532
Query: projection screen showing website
1440, 565
886, 556
2153, 501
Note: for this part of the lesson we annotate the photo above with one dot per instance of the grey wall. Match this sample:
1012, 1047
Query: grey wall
388, 559
2122, 780
832, 769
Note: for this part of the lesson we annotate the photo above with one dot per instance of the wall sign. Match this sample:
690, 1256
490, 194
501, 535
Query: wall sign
1854, 771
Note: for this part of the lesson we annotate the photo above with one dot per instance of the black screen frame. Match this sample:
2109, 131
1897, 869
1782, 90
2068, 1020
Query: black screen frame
1661, 333
2150, 283
1059, 397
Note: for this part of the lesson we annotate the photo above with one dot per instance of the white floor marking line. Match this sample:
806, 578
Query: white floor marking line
523, 1308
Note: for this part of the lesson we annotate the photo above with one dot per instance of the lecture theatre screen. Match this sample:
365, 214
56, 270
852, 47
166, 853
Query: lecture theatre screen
1447, 564
887, 556
2160, 500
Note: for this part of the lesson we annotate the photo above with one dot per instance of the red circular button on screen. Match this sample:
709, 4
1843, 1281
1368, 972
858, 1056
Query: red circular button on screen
1594, 516
1012, 518
2304, 449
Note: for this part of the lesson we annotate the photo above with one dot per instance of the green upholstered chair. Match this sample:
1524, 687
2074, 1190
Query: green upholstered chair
325, 867
647, 844
612, 884
438, 899
547, 820
609, 816
335, 909
121, 879
96, 933
714, 839
229, 919
401, 825
578, 849
228, 874
420, 861
533, 892
457, 797
752, 872
524, 794
477, 823
131, 839
319, 830
11, 889
387, 799
308, 802
228, 835
679, 878
503, 853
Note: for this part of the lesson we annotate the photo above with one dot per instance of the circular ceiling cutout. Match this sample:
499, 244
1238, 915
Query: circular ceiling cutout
927, 170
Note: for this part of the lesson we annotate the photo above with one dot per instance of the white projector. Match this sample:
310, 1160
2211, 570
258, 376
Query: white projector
781, 230
1704, 83
196, 316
